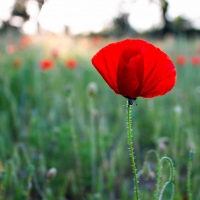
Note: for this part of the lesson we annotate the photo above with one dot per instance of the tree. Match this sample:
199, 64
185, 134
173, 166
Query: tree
122, 26
167, 25
19, 9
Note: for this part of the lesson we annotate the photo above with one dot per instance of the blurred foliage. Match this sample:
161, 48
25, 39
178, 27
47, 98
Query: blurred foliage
51, 120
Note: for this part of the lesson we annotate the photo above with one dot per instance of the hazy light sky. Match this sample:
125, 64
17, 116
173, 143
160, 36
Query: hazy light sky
82, 16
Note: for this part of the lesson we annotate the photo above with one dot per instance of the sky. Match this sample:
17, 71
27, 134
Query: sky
5, 7
83, 16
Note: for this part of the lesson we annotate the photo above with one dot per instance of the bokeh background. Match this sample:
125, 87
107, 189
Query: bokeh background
125, 17
63, 130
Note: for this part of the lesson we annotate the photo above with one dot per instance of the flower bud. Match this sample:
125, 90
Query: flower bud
56, 130
147, 173
191, 154
95, 113
162, 146
51, 173
68, 90
167, 192
178, 109
163, 143
92, 89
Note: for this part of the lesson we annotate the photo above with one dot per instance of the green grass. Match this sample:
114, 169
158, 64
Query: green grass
48, 119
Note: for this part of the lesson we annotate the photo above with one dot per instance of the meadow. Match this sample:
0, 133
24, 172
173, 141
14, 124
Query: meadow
63, 133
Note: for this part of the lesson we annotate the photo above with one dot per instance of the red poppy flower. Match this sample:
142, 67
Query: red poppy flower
54, 53
71, 63
96, 40
134, 68
11, 49
195, 60
198, 48
17, 62
46, 64
25, 41
181, 60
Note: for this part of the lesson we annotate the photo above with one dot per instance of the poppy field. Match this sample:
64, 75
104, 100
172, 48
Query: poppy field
63, 130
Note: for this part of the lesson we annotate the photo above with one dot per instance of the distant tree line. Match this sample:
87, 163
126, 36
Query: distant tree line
179, 26
121, 26
19, 9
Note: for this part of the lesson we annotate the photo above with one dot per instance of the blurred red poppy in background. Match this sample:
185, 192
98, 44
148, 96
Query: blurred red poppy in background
11, 49
54, 53
71, 63
17, 62
134, 68
46, 64
181, 60
195, 60
96, 40
198, 48
25, 41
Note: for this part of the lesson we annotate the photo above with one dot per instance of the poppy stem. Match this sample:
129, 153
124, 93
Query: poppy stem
130, 143
159, 174
189, 169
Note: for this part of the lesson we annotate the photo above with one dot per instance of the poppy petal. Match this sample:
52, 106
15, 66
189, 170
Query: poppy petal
129, 76
159, 73
106, 63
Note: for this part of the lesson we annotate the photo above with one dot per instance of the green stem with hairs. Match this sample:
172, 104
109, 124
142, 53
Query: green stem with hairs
93, 147
76, 147
129, 132
189, 169
152, 152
